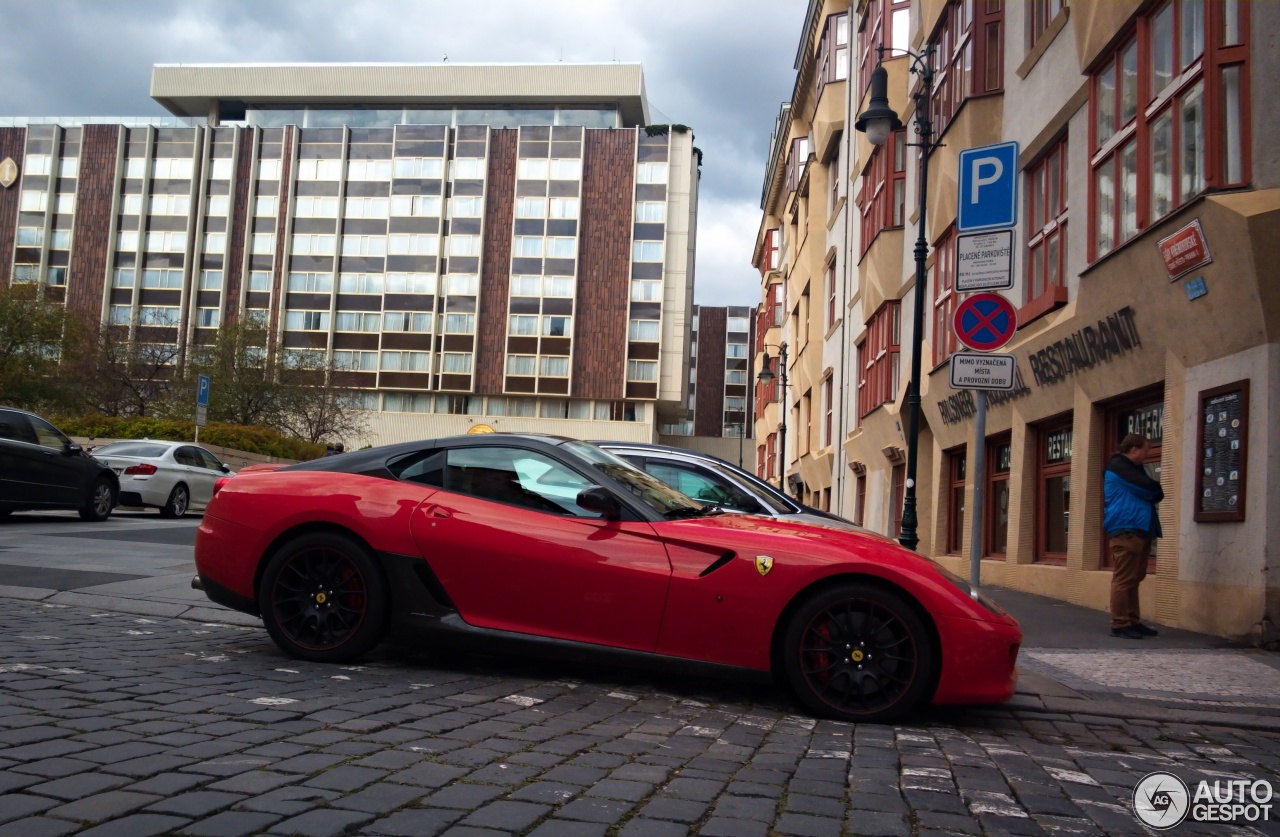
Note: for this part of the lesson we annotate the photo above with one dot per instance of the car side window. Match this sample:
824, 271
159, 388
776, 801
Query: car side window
48, 436
516, 477
208, 460
425, 467
703, 485
15, 426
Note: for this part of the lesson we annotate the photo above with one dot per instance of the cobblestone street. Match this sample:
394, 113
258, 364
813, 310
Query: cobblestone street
117, 724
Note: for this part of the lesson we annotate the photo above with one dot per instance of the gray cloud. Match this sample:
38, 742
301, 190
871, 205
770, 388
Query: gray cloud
719, 66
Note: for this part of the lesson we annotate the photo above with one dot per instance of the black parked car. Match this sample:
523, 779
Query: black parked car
40, 468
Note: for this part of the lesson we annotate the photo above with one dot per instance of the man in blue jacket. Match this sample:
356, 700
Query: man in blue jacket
1130, 521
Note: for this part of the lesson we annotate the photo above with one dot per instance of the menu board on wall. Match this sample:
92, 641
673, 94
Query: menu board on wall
1223, 453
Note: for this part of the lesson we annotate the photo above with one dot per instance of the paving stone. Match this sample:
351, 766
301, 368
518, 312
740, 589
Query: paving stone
80, 785
289, 801
345, 779
877, 824
805, 825
37, 827
638, 827
380, 798
723, 827
507, 815
230, 824
461, 795
569, 828
428, 775
326, 823
607, 811
621, 789
414, 822
195, 803
138, 825
103, 806
167, 784
680, 810
15, 806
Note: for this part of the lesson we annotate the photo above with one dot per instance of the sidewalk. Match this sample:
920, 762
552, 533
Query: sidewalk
1070, 664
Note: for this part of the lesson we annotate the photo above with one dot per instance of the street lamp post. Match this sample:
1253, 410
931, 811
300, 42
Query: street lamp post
878, 122
766, 376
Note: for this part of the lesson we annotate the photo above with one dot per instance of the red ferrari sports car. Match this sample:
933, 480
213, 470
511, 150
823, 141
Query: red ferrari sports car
538, 543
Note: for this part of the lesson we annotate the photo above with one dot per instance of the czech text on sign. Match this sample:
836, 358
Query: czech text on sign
984, 261
983, 371
202, 415
985, 322
988, 187
1185, 250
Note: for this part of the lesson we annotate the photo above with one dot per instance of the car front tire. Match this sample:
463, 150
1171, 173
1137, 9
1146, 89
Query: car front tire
102, 499
178, 503
323, 598
858, 652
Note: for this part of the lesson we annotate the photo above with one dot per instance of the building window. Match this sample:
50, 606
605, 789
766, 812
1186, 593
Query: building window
1041, 13
956, 467
419, 167
878, 359
459, 323
554, 367
357, 321
306, 320
173, 168
260, 280
644, 330
860, 499
406, 362
161, 278
651, 172
455, 363
1169, 117
120, 315
411, 321
944, 296
367, 169
771, 456
263, 244
170, 205
347, 361
833, 53
828, 405
1053, 493
208, 317
460, 245
884, 184
831, 295
521, 364
311, 283
968, 56
897, 493
646, 291
642, 370
211, 280
1046, 191
737, 325
466, 207
650, 212
154, 315
314, 245
402, 244
647, 251
886, 23
416, 205
360, 283
123, 278
306, 206
999, 461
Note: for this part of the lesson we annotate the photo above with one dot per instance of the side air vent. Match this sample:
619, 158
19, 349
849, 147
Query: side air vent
719, 562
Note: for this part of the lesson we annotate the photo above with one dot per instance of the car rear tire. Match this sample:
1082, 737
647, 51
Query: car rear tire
323, 598
102, 499
858, 652
178, 503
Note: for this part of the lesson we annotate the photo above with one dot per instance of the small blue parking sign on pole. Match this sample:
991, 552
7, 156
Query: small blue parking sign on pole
988, 187
202, 403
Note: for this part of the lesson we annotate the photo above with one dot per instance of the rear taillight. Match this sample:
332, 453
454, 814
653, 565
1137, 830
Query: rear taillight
218, 483
144, 470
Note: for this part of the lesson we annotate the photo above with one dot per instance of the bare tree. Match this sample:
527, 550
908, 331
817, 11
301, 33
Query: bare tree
314, 407
31, 343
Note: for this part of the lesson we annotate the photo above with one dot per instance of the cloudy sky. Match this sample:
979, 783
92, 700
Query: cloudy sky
722, 67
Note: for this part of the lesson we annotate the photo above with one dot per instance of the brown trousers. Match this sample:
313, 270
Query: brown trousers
1129, 553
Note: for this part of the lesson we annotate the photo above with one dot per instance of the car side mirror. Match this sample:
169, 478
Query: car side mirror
226, 469
71, 449
600, 501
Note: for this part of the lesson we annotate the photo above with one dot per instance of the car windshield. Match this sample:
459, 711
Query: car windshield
768, 497
137, 450
655, 494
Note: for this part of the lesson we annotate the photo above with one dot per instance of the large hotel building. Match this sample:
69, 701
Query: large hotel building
459, 244
1147, 236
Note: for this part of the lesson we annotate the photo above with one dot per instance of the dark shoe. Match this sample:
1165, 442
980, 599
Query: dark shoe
1128, 632
1144, 630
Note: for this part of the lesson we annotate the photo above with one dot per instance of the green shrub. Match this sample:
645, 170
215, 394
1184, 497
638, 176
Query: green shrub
259, 440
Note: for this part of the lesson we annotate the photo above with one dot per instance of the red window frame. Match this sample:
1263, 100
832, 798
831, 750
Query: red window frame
771, 456
882, 200
1139, 134
831, 295
760, 454
833, 52
956, 471
875, 31
945, 343
878, 358
769, 250
995, 536
1040, 14
1053, 462
968, 56
1046, 191
828, 397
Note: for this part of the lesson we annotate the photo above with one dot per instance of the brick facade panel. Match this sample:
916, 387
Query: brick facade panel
495, 274
12, 143
708, 416
92, 231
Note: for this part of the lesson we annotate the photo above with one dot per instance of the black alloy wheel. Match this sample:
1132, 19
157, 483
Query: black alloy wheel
859, 653
323, 598
102, 499
178, 503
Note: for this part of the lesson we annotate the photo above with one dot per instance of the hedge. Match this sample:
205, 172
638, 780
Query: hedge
259, 440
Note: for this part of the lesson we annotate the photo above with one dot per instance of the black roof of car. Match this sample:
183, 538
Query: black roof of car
360, 460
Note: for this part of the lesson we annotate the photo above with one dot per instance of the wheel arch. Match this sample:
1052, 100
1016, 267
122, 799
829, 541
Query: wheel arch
311, 527
784, 618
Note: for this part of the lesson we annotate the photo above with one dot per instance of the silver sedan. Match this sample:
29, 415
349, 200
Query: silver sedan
171, 476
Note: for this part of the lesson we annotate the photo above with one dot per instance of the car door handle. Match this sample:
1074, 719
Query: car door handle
439, 511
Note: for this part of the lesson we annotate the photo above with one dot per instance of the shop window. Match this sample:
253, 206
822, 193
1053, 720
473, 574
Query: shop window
956, 467
1170, 117
944, 297
1053, 492
999, 461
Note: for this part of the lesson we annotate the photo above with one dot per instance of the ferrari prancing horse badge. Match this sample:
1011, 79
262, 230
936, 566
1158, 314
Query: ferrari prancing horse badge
763, 564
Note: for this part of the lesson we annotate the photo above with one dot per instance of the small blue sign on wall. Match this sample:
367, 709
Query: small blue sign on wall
1195, 288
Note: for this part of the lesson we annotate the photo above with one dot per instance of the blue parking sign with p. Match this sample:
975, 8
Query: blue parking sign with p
202, 392
988, 187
